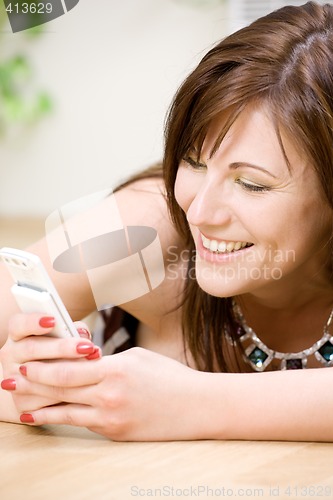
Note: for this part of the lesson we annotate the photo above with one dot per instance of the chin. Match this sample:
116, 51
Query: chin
222, 286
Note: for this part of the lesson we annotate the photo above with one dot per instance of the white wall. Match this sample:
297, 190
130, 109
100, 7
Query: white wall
112, 67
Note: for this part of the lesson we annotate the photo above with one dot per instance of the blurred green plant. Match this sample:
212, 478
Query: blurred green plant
20, 103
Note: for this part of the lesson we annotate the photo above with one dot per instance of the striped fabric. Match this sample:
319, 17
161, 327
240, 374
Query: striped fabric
119, 330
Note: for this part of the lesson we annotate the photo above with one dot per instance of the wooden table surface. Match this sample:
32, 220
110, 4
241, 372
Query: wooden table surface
62, 462
20, 231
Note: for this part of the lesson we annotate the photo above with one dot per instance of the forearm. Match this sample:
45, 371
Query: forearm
8, 412
289, 405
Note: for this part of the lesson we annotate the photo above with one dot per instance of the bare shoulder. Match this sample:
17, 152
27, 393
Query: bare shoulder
145, 197
143, 202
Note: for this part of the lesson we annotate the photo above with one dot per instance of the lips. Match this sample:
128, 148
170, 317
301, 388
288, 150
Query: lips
224, 246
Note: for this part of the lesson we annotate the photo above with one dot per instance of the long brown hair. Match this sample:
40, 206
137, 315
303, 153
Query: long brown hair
285, 60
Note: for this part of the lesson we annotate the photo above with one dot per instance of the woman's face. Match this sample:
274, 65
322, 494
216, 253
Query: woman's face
256, 223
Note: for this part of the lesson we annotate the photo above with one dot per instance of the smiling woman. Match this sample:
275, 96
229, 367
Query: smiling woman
253, 165
243, 209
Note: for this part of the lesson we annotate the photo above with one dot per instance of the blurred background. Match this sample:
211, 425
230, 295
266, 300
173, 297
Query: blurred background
95, 86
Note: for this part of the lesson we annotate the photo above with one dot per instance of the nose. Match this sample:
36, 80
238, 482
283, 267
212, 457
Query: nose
210, 205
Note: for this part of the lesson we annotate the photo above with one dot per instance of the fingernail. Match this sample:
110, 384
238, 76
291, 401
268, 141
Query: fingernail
23, 370
27, 418
47, 322
9, 384
84, 333
84, 348
94, 355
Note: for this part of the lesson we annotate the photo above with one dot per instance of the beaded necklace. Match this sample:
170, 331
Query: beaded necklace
259, 355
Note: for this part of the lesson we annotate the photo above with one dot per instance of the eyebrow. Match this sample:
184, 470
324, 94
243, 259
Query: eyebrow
239, 164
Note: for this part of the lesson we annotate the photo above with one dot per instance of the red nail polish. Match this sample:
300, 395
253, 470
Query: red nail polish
84, 333
9, 384
84, 348
94, 355
23, 370
27, 418
47, 322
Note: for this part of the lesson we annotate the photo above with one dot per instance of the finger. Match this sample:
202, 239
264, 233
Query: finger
23, 325
28, 396
64, 373
31, 403
83, 330
49, 348
31, 396
68, 414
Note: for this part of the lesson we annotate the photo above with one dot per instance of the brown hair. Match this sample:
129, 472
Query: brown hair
285, 60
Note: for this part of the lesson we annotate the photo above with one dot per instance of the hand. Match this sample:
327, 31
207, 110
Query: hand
27, 341
135, 395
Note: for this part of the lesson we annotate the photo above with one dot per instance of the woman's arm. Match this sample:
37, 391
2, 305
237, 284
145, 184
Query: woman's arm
140, 395
293, 405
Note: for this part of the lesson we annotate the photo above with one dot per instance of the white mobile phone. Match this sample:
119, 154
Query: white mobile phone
34, 290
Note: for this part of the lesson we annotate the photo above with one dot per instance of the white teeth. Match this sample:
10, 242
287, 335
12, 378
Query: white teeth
213, 246
223, 246
205, 241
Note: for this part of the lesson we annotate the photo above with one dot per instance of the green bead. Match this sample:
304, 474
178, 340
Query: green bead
258, 357
326, 351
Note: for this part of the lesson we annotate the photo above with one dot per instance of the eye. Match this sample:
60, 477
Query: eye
195, 164
248, 186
